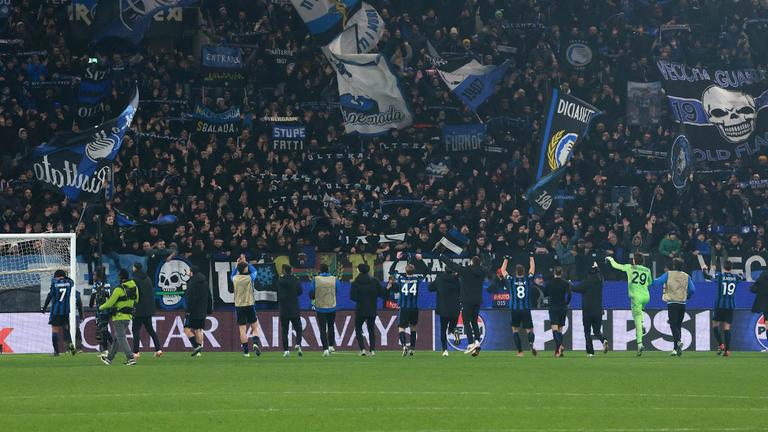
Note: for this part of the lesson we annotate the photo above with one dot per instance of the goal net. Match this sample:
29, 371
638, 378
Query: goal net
27, 264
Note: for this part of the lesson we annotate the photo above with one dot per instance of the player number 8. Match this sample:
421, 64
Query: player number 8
520, 291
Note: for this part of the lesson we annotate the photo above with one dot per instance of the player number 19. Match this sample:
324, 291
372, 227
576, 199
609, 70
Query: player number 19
729, 288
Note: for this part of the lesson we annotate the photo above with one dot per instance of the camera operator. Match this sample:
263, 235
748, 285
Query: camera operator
121, 304
101, 293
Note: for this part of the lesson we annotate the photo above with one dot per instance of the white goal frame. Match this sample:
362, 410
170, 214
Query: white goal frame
72, 269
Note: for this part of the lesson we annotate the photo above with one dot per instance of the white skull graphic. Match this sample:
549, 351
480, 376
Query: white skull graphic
173, 277
733, 112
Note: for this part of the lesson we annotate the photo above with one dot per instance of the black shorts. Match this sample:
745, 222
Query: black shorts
194, 323
59, 320
522, 318
245, 315
557, 316
723, 315
408, 317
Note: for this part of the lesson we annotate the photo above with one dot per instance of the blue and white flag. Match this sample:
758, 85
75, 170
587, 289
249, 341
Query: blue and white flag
325, 19
288, 137
79, 165
129, 19
371, 100
473, 83
454, 241
542, 194
464, 138
361, 33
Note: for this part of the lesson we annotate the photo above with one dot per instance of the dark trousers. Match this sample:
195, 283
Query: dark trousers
146, 322
471, 328
593, 324
326, 321
447, 325
284, 323
370, 322
676, 312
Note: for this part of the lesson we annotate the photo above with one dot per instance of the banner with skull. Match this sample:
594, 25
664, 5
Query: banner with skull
171, 283
720, 109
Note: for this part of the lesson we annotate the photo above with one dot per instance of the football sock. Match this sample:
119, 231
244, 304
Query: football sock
55, 341
531, 338
245, 348
402, 338
718, 336
256, 341
518, 342
558, 339
193, 341
727, 339
413, 339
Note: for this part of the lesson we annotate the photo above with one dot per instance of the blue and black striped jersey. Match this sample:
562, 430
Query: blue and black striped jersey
59, 295
726, 290
408, 292
519, 292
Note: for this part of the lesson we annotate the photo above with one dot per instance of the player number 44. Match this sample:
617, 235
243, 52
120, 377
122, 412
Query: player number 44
408, 289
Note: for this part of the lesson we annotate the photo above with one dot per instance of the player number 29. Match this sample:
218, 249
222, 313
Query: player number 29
729, 288
408, 289
642, 277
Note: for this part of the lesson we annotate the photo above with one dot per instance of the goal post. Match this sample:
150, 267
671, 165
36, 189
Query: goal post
27, 264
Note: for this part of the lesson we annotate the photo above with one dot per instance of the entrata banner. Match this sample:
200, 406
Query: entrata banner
24, 333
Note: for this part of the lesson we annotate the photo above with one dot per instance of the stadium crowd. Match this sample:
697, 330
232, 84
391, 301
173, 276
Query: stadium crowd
238, 195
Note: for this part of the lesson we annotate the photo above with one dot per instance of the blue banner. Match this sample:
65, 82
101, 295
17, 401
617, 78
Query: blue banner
288, 137
464, 138
475, 89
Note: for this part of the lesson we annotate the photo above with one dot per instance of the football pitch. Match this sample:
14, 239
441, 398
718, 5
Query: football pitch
493, 392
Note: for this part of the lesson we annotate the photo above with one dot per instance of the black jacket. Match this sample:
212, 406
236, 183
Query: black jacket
591, 290
198, 297
448, 288
472, 278
366, 292
559, 292
288, 292
146, 306
760, 288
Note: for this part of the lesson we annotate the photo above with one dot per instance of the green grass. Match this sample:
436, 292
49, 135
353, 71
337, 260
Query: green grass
493, 392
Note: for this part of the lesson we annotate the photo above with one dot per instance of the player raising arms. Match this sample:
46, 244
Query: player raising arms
638, 282
520, 303
407, 286
724, 305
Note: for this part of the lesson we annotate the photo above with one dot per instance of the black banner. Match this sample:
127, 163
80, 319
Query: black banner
225, 123
719, 109
567, 121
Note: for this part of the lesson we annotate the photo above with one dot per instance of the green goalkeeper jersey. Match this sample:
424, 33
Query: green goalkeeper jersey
638, 278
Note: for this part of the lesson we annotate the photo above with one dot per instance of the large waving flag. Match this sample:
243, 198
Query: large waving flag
541, 195
129, 19
127, 221
325, 19
474, 83
79, 165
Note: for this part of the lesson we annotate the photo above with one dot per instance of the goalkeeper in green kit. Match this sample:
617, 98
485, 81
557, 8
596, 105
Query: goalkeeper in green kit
638, 280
